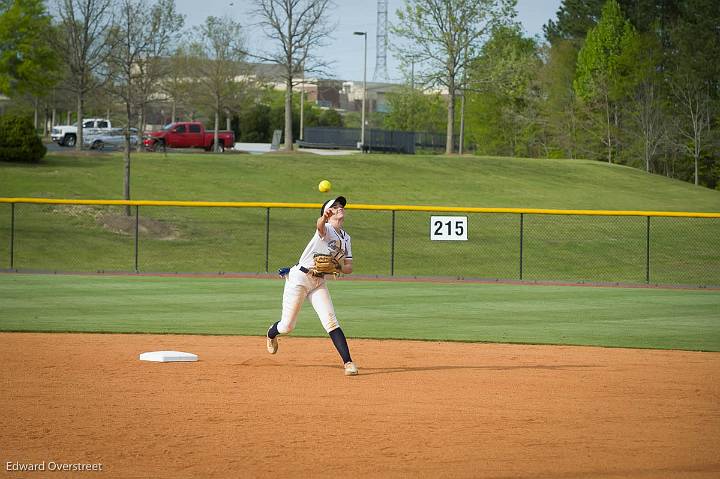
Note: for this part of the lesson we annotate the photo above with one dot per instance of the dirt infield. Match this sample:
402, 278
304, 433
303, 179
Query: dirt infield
418, 409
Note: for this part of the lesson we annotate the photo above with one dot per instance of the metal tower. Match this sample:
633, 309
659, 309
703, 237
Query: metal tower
381, 73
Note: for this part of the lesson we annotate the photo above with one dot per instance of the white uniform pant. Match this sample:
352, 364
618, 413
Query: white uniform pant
299, 286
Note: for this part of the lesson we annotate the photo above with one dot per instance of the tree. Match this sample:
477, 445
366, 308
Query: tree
254, 124
29, 66
575, 18
646, 92
695, 76
161, 33
83, 42
504, 92
218, 53
18, 141
639, 76
137, 42
263, 111
412, 109
598, 75
560, 110
130, 42
28, 61
442, 35
176, 85
295, 27
328, 118
671, 78
694, 105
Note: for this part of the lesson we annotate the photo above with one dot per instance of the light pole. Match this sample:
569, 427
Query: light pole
462, 106
302, 102
412, 89
462, 116
362, 118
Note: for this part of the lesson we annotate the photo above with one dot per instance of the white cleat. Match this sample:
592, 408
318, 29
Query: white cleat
272, 344
351, 369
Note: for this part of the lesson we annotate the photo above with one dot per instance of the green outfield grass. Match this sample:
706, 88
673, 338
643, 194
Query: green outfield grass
71, 238
614, 317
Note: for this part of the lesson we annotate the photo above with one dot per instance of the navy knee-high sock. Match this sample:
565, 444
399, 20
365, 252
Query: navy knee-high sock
273, 331
338, 339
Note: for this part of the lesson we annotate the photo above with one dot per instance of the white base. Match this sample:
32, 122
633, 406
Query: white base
168, 356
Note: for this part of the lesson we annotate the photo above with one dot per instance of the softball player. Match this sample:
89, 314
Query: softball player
307, 280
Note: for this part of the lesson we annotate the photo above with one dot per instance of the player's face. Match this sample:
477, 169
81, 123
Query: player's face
338, 210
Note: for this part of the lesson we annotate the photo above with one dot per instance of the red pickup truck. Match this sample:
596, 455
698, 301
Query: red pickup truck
188, 135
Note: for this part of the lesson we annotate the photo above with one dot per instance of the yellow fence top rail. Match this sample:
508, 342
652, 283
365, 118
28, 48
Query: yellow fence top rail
436, 209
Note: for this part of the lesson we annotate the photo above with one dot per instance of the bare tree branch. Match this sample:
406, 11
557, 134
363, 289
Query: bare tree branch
219, 52
137, 44
84, 30
443, 36
296, 28
692, 97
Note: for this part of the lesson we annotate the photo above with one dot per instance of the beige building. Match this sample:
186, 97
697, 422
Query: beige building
348, 95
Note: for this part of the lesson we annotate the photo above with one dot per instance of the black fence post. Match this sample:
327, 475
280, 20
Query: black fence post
137, 235
267, 240
12, 235
647, 251
392, 246
522, 233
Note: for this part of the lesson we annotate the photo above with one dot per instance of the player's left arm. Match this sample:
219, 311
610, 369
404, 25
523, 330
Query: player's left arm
347, 266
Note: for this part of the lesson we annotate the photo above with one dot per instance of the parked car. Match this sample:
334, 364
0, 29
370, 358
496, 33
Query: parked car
114, 138
188, 135
66, 135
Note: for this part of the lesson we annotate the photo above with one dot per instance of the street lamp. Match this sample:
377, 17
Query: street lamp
362, 119
302, 103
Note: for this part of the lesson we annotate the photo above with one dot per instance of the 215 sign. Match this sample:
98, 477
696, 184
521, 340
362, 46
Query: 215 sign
448, 228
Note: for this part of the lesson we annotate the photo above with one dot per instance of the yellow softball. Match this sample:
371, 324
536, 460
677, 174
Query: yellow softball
324, 186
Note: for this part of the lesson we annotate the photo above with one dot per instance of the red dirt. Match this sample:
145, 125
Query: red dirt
417, 409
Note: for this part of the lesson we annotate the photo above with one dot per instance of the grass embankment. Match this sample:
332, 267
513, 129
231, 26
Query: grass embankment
212, 240
371, 179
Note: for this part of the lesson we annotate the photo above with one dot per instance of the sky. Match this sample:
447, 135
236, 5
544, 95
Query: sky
344, 49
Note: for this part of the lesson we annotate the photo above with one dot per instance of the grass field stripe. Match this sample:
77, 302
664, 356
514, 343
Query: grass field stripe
506, 313
444, 209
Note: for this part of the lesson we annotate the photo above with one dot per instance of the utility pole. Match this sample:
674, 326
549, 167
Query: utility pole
302, 103
412, 73
412, 92
362, 117
462, 109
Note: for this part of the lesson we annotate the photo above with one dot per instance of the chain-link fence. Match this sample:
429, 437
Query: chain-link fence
163, 237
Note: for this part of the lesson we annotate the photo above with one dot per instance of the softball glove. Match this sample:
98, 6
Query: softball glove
327, 264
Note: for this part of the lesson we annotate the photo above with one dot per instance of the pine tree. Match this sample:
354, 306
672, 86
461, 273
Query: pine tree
597, 75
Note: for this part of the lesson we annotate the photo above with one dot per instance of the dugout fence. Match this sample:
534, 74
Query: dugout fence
628, 247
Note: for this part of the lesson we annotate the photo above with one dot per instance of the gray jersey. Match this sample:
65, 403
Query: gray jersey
333, 242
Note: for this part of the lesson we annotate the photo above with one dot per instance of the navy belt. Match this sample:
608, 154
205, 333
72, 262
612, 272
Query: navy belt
307, 271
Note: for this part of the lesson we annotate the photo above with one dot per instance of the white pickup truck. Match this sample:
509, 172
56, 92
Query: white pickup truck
66, 135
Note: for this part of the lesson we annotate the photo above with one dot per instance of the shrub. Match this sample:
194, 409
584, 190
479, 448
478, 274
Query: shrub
18, 140
330, 118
